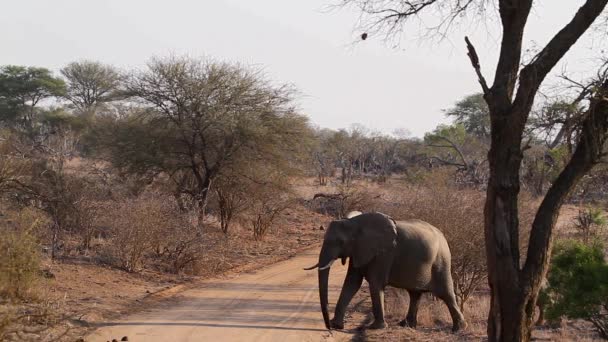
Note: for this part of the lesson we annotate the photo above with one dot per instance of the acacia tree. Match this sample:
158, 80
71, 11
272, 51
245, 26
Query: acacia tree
22, 89
514, 283
197, 117
90, 84
472, 112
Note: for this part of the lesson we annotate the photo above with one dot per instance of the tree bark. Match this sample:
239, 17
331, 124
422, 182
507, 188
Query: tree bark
201, 201
502, 234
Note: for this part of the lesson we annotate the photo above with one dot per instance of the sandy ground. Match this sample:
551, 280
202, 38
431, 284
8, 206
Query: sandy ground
278, 303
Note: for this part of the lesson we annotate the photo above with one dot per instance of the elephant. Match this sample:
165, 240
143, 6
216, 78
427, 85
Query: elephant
408, 254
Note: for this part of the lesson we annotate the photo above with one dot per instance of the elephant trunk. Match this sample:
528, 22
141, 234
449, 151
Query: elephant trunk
326, 258
323, 283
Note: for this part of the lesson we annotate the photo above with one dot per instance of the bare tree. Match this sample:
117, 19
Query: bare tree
514, 284
323, 156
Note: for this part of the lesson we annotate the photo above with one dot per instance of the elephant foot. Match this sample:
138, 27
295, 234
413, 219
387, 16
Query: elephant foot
459, 325
336, 324
407, 324
377, 325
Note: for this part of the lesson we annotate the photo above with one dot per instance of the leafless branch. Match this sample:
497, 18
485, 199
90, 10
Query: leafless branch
475, 63
453, 145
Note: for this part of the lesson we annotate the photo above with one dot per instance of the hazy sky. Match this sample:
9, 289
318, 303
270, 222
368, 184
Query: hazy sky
299, 42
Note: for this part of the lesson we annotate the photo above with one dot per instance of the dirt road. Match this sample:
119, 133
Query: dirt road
278, 303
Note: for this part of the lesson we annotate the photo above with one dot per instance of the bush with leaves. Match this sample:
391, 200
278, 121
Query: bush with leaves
578, 284
590, 221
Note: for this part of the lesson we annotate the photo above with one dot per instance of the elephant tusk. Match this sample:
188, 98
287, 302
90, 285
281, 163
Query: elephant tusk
327, 266
311, 267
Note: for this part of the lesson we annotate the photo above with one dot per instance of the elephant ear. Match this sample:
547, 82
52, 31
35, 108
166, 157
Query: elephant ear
375, 234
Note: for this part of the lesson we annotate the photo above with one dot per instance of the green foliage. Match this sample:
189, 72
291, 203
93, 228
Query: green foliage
456, 133
542, 165
473, 114
22, 88
597, 216
453, 146
557, 123
590, 221
578, 284
57, 119
559, 156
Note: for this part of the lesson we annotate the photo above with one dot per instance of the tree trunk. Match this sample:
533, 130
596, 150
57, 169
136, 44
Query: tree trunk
201, 201
506, 317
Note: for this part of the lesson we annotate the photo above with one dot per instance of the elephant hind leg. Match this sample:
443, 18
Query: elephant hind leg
458, 321
411, 319
444, 289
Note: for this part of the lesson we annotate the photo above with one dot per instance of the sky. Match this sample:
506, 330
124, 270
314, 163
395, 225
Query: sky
341, 80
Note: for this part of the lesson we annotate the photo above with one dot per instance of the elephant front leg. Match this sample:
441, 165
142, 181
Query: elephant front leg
377, 293
352, 283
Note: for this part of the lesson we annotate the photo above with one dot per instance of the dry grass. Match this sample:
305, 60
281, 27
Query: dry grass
434, 322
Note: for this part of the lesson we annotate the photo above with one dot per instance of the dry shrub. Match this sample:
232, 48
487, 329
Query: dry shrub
6, 317
458, 213
180, 244
345, 199
267, 202
42, 320
233, 195
84, 217
357, 197
19, 255
149, 225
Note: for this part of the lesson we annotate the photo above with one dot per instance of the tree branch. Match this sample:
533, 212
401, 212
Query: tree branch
534, 73
445, 162
475, 62
588, 153
465, 164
